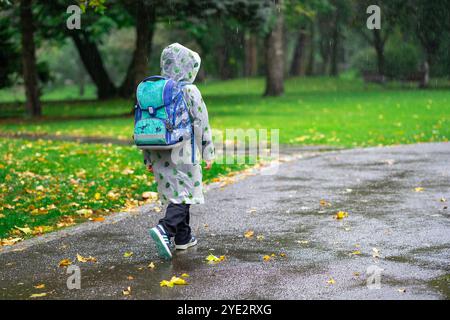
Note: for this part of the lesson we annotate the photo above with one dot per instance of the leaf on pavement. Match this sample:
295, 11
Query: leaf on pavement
38, 295
127, 291
65, 263
341, 215
151, 265
213, 259
249, 234
331, 281
80, 258
128, 254
40, 286
174, 281
419, 189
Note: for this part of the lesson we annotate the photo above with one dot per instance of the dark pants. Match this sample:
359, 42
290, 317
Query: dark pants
176, 222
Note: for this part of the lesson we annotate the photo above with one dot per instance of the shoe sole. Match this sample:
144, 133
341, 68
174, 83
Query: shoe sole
161, 247
186, 246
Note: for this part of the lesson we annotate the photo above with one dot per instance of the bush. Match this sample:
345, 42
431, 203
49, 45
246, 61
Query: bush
400, 60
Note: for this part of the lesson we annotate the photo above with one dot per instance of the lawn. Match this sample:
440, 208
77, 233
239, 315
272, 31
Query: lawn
45, 184
342, 112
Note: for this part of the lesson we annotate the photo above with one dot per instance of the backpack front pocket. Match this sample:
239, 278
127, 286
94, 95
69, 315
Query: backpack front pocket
150, 131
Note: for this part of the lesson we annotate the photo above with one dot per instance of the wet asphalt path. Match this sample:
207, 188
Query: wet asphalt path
410, 231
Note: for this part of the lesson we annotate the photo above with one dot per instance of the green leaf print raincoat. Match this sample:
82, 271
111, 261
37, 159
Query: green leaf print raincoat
181, 181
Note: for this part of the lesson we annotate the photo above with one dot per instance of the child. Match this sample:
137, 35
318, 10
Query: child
180, 184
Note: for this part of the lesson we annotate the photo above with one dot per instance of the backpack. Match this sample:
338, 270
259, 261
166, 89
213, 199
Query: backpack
162, 120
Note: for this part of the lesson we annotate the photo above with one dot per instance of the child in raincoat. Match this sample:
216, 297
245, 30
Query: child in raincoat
180, 184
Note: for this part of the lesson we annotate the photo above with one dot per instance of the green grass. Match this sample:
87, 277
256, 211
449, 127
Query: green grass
44, 182
341, 112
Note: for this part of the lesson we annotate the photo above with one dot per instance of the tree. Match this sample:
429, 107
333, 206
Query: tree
145, 16
430, 20
298, 15
33, 105
9, 54
274, 53
377, 38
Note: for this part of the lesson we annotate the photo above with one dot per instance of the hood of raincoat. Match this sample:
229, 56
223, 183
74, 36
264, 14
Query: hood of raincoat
179, 63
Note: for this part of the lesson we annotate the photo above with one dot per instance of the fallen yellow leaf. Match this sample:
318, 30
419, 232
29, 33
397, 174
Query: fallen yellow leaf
24, 230
331, 281
174, 281
65, 263
40, 286
266, 258
127, 291
212, 258
418, 189
178, 281
184, 275
128, 254
97, 196
98, 219
341, 215
38, 295
80, 258
166, 283
248, 234
151, 265
356, 253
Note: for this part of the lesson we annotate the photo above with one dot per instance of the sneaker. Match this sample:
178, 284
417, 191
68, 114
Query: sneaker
162, 241
191, 243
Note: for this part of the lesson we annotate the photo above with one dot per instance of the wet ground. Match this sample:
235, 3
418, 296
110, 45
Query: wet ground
400, 234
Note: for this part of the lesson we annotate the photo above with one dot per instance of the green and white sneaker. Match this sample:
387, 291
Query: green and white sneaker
191, 243
162, 242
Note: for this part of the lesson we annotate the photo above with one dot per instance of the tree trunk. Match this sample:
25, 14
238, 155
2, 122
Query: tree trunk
93, 63
251, 56
138, 68
223, 59
33, 105
312, 51
275, 56
335, 45
379, 49
297, 60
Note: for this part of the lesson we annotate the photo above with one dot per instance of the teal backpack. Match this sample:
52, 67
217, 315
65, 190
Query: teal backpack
162, 120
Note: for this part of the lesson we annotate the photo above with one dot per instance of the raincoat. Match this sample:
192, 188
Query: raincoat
181, 182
